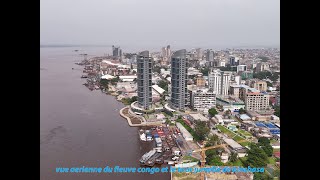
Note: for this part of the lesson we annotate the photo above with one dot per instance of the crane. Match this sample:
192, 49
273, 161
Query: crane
203, 155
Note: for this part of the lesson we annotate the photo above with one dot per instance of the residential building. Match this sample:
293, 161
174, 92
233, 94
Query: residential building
246, 75
241, 68
235, 90
277, 100
219, 81
116, 51
210, 58
144, 79
234, 61
262, 66
179, 71
203, 100
260, 85
200, 81
257, 101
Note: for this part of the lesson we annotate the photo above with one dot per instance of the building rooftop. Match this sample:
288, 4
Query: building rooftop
158, 89
199, 116
233, 144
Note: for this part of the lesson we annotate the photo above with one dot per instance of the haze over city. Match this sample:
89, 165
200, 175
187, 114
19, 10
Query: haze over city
145, 24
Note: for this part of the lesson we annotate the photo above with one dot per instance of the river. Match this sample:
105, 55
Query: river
79, 127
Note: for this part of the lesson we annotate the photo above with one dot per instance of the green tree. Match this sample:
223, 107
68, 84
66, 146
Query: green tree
242, 111
213, 158
163, 84
133, 99
277, 111
157, 69
269, 84
276, 173
264, 143
201, 130
261, 176
233, 157
104, 83
256, 157
213, 140
205, 71
213, 111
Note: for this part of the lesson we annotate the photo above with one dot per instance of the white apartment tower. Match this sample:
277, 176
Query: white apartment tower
219, 81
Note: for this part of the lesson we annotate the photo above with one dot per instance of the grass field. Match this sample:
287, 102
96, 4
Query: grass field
232, 135
225, 131
245, 133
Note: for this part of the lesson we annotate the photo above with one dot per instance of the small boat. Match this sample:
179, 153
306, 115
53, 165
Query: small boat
142, 135
147, 156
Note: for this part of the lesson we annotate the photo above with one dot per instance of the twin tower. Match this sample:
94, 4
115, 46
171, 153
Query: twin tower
179, 71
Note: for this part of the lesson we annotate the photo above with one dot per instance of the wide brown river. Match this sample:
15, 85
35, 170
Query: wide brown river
79, 127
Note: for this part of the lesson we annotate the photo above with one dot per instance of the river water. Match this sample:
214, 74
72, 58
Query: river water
79, 127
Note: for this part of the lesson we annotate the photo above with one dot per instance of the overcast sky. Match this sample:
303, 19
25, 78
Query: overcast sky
156, 23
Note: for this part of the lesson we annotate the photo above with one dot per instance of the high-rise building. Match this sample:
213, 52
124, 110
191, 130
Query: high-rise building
210, 58
168, 52
144, 78
116, 52
198, 54
164, 52
203, 99
262, 66
219, 81
179, 71
234, 61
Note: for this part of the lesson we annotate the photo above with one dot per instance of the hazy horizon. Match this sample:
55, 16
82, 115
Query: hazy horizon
144, 24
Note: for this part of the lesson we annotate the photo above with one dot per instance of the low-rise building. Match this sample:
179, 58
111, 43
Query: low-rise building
236, 147
202, 100
185, 133
198, 117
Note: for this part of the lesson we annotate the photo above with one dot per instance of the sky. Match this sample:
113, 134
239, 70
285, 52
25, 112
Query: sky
157, 23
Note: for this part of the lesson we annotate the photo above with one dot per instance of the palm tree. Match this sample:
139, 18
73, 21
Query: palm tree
233, 157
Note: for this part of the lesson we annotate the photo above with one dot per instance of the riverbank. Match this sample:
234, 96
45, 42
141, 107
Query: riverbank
135, 120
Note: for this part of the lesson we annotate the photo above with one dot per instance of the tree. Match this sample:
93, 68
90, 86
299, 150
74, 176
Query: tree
205, 71
277, 111
213, 111
256, 157
264, 143
104, 83
201, 130
269, 84
242, 111
133, 99
233, 157
213, 140
276, 173
163, 84
212, 157
156, 69
261, 176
